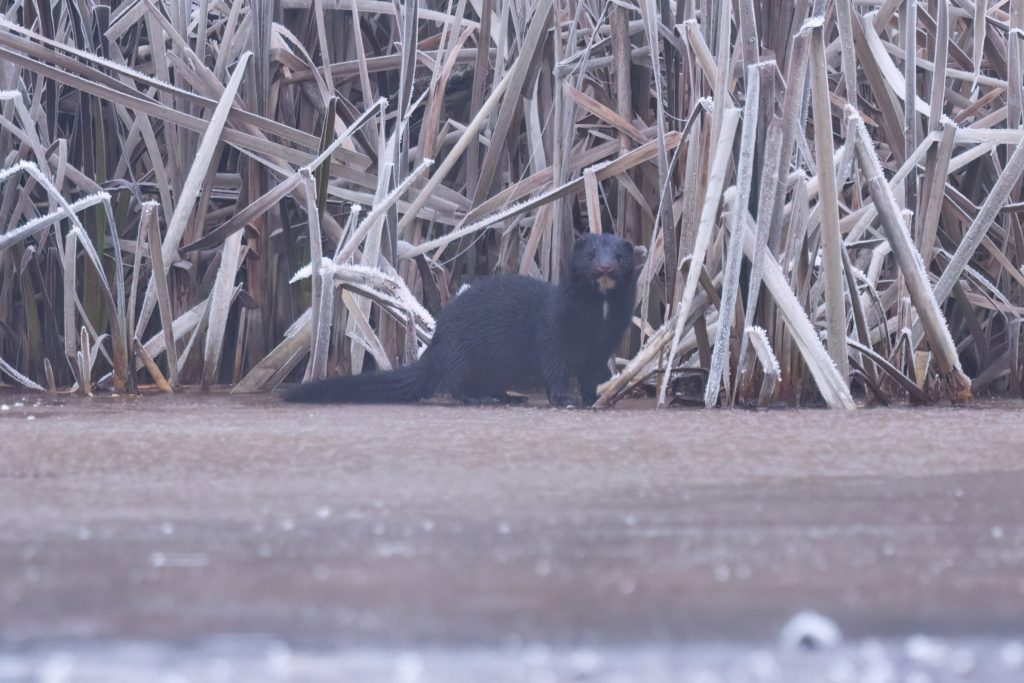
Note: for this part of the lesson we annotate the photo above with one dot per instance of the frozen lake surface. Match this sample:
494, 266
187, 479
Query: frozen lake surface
217, 538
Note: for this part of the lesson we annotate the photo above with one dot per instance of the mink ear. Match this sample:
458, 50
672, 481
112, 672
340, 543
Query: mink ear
639, 256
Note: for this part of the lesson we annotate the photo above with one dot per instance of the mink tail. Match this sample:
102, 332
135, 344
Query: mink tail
407, 384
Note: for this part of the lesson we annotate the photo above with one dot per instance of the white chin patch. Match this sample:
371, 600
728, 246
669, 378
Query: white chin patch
604, 309
605, 283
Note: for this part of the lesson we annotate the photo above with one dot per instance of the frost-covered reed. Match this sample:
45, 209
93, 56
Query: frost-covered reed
243, 193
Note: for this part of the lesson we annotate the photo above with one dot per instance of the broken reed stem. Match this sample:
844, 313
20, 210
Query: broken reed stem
151, 367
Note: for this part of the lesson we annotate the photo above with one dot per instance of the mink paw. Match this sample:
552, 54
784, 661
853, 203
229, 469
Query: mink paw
561, 401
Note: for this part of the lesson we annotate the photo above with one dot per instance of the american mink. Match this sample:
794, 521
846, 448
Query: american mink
510, 331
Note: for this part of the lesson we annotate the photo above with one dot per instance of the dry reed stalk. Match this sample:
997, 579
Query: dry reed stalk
719, 369
716, 181
830, 382
190, 190
997, 198
911, 267
828, 203
163, 296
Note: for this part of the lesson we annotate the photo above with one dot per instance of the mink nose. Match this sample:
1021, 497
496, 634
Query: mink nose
604, 268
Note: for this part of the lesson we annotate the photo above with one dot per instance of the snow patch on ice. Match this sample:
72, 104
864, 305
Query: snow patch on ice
1012, 655
810, 631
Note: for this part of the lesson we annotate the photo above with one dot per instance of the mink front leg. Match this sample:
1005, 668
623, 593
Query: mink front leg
589, 379
556, 379
588, 392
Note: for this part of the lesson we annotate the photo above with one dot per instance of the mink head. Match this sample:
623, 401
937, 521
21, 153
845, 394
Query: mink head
604, 262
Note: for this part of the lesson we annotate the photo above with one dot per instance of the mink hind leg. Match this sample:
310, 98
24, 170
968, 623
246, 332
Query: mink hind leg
477, 387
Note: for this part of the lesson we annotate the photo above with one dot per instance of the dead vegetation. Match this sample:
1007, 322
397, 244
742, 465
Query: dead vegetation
206, 192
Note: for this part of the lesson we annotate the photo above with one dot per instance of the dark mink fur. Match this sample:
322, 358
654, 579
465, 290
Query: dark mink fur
512, 332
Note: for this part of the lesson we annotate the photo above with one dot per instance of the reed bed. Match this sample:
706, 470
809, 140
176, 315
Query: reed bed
244, 193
